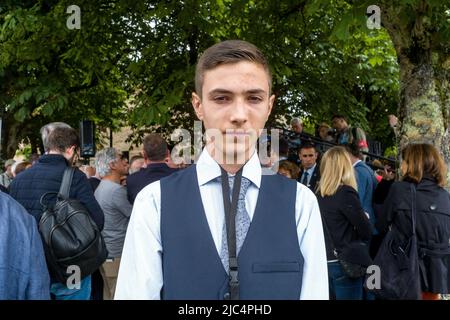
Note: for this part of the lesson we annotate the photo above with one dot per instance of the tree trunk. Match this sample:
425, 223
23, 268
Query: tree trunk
424, 84
421, 112
443, 90
12, 135
12, 142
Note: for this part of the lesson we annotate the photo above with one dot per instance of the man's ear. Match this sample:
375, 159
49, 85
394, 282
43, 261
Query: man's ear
71, 150
112, 165
271, 102
197, 104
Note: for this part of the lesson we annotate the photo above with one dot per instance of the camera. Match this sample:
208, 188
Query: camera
331, 132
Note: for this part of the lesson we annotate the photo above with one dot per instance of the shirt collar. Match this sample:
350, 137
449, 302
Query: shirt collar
311, 170
208, 169
52, 158
357, 161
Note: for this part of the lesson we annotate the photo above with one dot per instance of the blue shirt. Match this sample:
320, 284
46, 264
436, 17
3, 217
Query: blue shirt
23, 270
366, 181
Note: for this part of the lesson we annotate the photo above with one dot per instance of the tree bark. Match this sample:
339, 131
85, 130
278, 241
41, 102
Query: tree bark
424, 83
9, 140
13, 133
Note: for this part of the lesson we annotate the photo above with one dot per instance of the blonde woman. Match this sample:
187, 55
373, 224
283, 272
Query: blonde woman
344, 220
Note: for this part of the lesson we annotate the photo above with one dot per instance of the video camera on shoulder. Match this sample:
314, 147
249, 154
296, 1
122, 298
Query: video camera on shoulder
332, 132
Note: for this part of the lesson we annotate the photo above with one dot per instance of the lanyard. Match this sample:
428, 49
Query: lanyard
230, 215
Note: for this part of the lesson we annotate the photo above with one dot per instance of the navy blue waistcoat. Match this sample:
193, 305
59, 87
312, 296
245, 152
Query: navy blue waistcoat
270, 262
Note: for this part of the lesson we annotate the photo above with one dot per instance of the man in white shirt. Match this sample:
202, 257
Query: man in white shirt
177, 244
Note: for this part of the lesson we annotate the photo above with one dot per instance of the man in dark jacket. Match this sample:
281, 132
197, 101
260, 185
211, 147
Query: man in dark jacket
156, 155
46, 177
310, 173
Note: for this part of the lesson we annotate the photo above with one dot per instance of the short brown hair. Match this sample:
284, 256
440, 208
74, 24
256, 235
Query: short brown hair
353, 149
135, 158
291, 167
339, 116
155, 147
21, 166
62, 138
423, 159
230, 51
48, 128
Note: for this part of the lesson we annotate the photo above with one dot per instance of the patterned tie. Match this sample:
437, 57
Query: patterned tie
242, 221
305, 178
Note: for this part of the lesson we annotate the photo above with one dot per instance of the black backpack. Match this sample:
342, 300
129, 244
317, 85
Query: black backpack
70, 236
399, 263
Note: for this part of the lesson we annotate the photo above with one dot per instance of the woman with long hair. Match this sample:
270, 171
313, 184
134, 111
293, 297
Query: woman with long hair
424, 167
343, 218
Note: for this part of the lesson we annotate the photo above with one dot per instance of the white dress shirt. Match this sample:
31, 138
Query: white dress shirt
140, 275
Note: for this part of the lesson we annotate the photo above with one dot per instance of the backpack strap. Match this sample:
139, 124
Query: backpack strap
66, 182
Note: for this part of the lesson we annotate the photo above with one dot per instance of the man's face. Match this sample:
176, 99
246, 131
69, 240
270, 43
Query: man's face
297, 127
308, 157
136, 165
339, 124
9, 170
120, 165
234, 107
323, 133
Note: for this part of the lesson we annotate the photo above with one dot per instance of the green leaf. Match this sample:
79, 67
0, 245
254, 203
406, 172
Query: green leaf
25, 96
21, 114
374, 61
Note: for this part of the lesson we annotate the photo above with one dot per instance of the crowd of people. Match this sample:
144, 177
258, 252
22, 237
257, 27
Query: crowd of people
166, 228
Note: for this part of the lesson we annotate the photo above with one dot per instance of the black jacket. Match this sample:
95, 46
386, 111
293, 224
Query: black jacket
3, 189
46, 176
139, 180
94, 182
432, 228
344, 218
